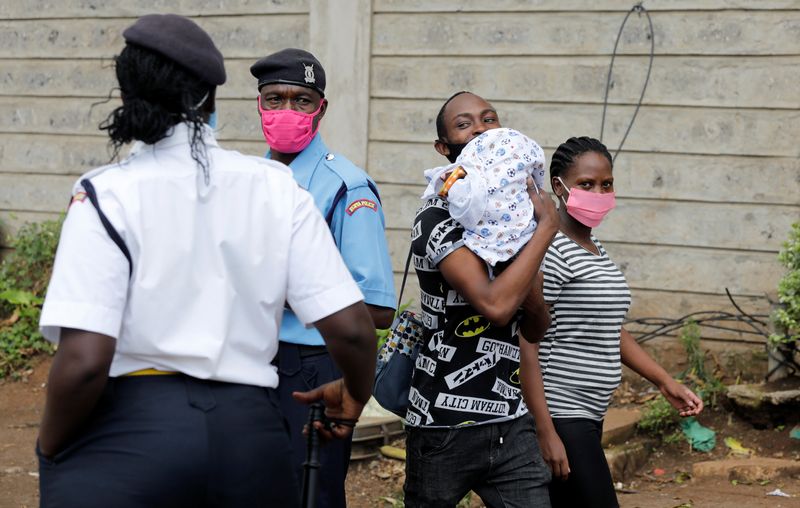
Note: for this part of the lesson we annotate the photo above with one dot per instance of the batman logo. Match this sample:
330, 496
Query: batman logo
472, 327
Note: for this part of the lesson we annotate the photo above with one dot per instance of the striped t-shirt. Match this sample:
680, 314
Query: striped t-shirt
580, 354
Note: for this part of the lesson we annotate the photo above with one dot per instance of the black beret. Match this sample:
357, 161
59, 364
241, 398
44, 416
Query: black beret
291, 66
181, 40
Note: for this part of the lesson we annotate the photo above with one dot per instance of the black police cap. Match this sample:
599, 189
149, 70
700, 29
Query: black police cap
291, 66
182, 41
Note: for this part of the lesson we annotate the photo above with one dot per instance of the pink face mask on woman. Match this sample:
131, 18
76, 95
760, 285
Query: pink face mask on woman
288, 131
588, 208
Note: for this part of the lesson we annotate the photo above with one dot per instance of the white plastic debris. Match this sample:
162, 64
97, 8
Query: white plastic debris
778, 493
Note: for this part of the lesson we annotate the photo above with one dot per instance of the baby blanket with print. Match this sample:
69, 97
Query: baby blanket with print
491, 201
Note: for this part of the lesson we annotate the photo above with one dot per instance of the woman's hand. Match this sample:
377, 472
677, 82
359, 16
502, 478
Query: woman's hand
682, 398
554, 454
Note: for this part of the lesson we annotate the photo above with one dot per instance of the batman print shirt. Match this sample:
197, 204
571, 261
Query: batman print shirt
467, 371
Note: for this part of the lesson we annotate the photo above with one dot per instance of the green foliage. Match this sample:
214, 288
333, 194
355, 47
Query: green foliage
24, 274
787, 317
706, 384
659, 417
676, 437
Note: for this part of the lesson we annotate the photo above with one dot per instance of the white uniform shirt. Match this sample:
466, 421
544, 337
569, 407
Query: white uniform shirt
212, 266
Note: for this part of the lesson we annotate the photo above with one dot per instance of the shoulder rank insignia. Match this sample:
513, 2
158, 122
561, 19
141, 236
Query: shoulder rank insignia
79, 197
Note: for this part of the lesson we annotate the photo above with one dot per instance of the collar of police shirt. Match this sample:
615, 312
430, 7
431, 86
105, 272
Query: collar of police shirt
179, 134
305, 163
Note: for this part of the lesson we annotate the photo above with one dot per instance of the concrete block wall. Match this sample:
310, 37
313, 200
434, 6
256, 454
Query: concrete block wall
56, 76
708, 181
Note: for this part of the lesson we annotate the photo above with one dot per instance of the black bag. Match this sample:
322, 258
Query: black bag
397, 358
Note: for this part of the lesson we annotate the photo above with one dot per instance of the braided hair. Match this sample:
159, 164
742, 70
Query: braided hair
567, 152
441, 130
157, 94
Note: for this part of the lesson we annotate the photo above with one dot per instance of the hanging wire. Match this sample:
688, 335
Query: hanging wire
755, 325
639, 9
755, 331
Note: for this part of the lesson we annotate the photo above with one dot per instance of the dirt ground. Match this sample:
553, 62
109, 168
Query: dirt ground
377, 482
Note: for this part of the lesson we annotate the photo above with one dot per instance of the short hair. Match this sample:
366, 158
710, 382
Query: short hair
441, 130
566, 153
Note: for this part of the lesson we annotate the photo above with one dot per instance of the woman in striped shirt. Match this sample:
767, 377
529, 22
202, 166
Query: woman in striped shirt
580, 357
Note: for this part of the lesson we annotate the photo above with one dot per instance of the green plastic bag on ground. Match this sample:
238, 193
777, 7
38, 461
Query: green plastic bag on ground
701, 438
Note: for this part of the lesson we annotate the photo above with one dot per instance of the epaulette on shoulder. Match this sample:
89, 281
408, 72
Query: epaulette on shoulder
78, 187
352, 176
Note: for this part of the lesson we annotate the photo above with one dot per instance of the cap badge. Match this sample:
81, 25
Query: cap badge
309, 78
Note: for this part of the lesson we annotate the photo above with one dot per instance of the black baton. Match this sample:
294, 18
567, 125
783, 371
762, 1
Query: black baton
311, 465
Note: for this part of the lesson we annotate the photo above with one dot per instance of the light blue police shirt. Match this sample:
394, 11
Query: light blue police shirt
357, 225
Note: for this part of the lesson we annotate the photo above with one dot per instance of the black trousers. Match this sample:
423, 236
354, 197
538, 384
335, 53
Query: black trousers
302, 369
589, 482
175, 441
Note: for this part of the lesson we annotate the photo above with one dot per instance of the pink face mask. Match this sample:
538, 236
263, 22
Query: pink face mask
588, 208
288, 131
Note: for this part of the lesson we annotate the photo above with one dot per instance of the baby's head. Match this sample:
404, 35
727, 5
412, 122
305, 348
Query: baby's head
504, 154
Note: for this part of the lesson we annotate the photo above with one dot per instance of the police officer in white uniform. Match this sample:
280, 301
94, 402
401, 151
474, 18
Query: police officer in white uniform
166, 297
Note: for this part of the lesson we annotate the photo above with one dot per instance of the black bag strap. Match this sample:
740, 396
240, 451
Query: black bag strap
405, 276
115, 236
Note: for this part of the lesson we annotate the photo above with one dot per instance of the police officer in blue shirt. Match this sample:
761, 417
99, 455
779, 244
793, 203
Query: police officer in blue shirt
291, 104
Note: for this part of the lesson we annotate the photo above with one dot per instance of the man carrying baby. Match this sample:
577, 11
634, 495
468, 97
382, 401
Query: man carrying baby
468, 427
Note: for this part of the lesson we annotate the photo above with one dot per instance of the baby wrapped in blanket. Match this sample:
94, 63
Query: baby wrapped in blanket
491, 199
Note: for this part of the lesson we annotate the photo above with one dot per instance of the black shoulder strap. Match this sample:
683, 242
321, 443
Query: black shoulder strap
405, 276
115, 237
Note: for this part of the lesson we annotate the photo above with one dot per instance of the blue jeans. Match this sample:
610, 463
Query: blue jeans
501, 462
